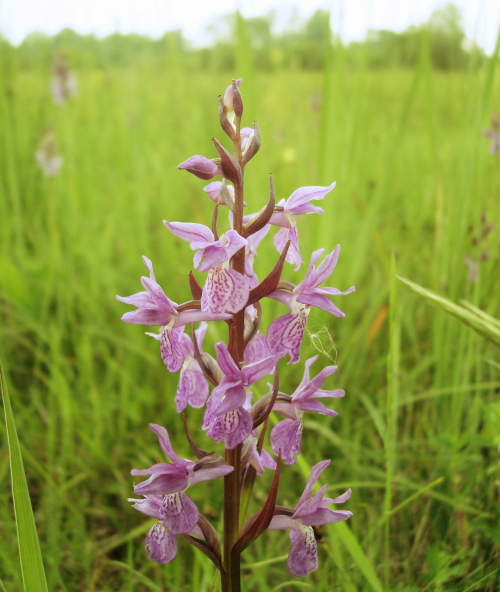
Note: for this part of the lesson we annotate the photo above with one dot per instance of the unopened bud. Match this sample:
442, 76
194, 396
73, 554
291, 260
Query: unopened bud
233, 104
201, 167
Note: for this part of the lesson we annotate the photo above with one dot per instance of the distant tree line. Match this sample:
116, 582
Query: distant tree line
441, 40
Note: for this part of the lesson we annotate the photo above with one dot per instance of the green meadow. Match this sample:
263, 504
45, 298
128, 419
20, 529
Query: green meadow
418, 432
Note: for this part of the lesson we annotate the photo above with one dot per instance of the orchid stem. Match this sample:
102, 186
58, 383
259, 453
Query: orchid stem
232, 485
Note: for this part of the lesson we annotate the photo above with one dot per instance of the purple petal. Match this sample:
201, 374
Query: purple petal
293, 254
317, 407
192, 389
304, 195
162, 434
320, 301
195, 316
342, 498
171, 350
233, 427
146, 316
310, 505
335, 393
141, 299
281, 523
225, 290
161, 544
190, 232
283, 296
280, 219
334, 291
227, 396
287, 437
303, 556
163, 485
213, 190
149, 265
267, 460
210, 257
316, 471
254, 372
149, 506
233, 242
306, 378
226, 362
327, 266
201, 167
256, 349
179, 513
310, 280
211, 473
285, 334
310, 387
326, 516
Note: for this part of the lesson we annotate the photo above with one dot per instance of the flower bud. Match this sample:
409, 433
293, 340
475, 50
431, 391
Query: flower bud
233, 104
201, 167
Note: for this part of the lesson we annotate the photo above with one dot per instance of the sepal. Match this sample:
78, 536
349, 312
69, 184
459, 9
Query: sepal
230, 167
265, 215
210, 546
196, 289
270, 283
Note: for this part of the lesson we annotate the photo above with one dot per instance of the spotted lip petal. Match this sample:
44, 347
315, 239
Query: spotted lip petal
225, 291
161, 544
232, 427
284, 335
287, 437
303, 556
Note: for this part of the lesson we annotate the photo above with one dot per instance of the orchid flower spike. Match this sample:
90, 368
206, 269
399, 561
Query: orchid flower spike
309, 512
284, 335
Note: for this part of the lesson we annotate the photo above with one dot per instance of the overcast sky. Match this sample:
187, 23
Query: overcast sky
352, 18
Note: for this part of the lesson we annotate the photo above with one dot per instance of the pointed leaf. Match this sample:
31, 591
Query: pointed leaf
229, 164
264, 217
269, 284
29, 547
196, 289
205, 549
258, 523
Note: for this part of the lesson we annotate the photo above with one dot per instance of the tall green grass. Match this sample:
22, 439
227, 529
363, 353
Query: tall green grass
417, 434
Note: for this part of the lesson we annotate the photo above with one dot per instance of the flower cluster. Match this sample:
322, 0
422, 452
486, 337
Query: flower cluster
231, 292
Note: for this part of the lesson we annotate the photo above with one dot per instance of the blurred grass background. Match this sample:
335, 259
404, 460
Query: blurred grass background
418, 432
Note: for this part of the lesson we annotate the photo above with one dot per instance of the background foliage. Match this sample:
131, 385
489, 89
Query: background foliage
397, 121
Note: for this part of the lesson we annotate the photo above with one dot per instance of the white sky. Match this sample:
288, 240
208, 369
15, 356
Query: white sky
352, 18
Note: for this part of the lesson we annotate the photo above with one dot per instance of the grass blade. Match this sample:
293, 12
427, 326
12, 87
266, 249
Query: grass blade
479, 321
29, 547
